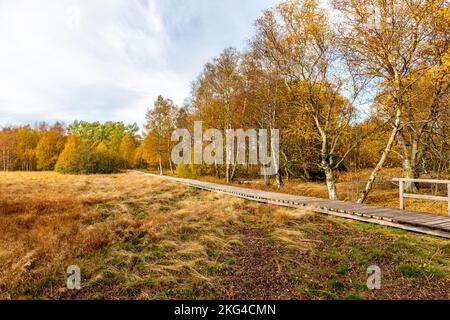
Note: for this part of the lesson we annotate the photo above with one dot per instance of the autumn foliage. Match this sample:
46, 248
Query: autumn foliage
369, 90
81, 148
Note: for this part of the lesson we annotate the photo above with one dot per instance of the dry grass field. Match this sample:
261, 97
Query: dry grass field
136, 237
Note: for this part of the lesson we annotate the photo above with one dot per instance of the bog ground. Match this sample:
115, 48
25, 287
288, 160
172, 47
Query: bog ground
136, 237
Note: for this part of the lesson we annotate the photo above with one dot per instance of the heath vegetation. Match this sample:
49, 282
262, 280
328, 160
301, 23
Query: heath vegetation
136, 237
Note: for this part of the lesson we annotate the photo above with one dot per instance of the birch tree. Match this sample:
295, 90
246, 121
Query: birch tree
160, 125
386, 42
295, 40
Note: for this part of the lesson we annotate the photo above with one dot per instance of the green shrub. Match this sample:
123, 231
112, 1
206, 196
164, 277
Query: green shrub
106, 160
83, 158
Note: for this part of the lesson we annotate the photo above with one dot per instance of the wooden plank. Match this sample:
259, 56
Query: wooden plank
372, 211
402, 195
424, 197
380, 213
389, 215
437, 222
438, 227
424, 216
417, 229
405, 218
415, 221
448, 195
427, 221
421, 180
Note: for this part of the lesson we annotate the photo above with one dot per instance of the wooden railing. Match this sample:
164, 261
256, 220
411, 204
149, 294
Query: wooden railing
404, 195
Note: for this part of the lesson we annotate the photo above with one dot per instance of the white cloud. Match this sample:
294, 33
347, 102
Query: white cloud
108, 60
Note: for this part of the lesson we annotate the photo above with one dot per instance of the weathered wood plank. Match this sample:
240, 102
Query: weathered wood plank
424, 197
421, 180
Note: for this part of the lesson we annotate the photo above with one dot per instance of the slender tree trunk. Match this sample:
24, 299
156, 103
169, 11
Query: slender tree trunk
161, 172
170, 159
306, 171
373, 176
171, 166
331, 185
233, 173
279, 179
409, 160
410, 172
266, 177
7, 160
327, 166
216, 169
228, 165
286, 166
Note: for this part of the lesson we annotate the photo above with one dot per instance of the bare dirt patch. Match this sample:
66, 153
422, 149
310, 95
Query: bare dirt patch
255, 273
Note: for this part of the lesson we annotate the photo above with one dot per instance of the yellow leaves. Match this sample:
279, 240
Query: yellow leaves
127, 149
446, 60
67, 154
101, 147
48, 149
444, 13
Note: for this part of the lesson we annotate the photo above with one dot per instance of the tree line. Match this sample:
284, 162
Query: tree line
364, 88
368, 90
81, 147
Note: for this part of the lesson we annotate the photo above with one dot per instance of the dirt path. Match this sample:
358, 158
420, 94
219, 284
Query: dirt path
255, 273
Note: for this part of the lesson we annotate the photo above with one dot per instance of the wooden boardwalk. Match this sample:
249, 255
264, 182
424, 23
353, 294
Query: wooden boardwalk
420, 222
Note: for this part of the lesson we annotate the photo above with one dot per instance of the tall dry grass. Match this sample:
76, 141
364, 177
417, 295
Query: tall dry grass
136, 237
126, 228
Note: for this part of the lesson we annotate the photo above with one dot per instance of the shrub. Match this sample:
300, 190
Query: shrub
48, 150
189, 171
83, 158
106, 160
65, 163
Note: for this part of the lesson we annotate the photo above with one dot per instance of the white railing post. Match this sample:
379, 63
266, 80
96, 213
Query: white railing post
402, 198
404, 195
448, 195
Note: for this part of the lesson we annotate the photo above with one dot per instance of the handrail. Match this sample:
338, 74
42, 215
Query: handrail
421, 180
404, 195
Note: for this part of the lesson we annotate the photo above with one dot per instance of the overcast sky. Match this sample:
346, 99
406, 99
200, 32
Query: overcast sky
109, 59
